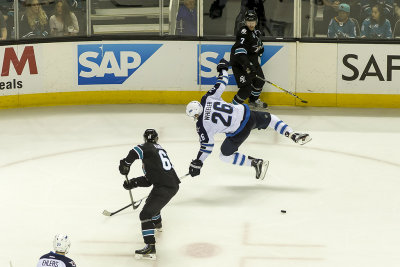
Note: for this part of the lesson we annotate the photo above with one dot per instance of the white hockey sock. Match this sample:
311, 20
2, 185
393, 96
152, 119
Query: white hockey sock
236, 159
279, 126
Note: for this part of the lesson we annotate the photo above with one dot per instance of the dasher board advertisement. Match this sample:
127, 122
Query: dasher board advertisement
368, 69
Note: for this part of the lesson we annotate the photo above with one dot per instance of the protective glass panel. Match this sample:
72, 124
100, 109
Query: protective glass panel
275, 17
369, 19
131, 17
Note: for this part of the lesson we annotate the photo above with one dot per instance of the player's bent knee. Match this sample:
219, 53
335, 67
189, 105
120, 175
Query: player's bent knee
145, 215
227, 149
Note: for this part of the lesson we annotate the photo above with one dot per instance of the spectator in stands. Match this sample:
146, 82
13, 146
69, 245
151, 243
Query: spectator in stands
63, 22
342, 26
186, 20
331, 7
377, 26
34, 22
366, 7
3, 27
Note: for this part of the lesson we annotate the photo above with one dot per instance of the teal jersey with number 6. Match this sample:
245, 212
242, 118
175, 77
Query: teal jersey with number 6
157, 166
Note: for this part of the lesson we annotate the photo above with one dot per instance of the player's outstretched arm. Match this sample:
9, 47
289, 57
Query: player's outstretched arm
222, 80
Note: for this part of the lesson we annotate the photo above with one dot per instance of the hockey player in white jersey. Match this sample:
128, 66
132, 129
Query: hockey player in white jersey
61, 244
214, 115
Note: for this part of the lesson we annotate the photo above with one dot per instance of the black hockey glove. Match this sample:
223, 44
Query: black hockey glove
195, 167
131, 184
124, 167
223, 65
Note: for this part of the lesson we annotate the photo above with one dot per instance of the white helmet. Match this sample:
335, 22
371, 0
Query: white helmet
194, 108
61, 243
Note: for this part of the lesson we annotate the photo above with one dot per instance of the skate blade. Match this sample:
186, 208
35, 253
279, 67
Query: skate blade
264, 170
158, 229
305, 140
146, 257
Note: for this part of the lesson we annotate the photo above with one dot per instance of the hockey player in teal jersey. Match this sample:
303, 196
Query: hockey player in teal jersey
159, 173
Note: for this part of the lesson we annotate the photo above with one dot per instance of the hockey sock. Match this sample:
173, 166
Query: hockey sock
148, 231
156, 219
255, 94
237, 100
242, 94
236, 159
279, 126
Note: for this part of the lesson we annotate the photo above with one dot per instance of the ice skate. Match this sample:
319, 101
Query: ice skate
261, 167
158, 227
148, 252
300, 138
258, 105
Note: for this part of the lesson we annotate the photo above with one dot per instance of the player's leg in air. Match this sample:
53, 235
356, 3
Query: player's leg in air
260, 120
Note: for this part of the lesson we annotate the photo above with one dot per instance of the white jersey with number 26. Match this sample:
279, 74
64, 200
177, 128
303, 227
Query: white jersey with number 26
219, 116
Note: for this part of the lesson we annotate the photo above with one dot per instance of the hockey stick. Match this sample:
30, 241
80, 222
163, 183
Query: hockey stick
135, 204
130, 192
280, 88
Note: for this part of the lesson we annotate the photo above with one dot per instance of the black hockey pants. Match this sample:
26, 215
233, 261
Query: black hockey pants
150, 214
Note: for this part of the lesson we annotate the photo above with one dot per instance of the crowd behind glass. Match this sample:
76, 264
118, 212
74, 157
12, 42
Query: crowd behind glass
370, 19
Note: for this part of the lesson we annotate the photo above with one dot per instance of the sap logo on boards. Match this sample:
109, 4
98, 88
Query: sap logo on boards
208, 57
111, 63
371, 69
10, 58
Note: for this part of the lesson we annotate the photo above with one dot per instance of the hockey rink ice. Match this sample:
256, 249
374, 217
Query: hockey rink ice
59, 171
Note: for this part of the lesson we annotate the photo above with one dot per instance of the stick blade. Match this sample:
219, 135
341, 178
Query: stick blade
135, 206
106, 213
304, 101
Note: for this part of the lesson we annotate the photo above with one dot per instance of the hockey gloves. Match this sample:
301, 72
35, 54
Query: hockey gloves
131, 184
195, 166
124, 167
223, 65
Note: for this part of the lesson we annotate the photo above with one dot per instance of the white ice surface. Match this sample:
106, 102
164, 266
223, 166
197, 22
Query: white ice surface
59, 171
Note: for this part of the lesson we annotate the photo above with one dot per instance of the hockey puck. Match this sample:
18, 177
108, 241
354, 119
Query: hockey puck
283, 211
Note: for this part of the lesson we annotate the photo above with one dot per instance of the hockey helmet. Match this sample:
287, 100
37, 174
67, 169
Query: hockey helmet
194, 108
150, 135
250, 15
61, 243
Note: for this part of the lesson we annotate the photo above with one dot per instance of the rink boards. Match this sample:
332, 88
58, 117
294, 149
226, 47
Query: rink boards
176, 72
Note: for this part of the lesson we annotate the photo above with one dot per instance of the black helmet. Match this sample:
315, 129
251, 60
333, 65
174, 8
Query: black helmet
150, 135
250, 15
